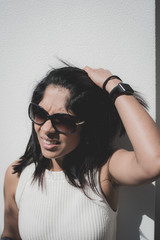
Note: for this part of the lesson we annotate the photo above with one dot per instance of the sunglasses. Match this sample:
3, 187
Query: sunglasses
61, 122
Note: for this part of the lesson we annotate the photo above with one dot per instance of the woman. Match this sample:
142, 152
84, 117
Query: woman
66, 184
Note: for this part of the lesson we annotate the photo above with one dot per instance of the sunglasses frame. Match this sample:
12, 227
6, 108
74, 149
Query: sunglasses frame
51, 118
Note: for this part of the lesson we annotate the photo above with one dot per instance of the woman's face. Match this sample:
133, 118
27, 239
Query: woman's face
56, 145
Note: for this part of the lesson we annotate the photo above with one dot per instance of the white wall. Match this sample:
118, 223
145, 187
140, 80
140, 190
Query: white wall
118, 35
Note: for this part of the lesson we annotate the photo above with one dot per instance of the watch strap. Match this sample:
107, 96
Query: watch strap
109, 78
121, 89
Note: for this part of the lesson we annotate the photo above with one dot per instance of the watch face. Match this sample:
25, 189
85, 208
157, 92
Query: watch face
123, 87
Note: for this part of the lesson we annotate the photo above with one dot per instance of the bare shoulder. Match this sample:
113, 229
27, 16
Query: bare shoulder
119, 160
11, 209
115, 159
111, 175
109, 185
125, 169
120, 153
11, 179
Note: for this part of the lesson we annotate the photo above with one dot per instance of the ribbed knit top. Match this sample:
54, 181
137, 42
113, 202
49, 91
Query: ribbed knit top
61, 211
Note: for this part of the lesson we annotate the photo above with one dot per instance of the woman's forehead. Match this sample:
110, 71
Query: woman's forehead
55, 99
52, 90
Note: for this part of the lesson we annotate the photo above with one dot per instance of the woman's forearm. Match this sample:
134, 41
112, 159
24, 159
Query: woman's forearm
141, 129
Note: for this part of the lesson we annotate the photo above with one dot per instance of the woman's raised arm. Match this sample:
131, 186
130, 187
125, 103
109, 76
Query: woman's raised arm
143, 164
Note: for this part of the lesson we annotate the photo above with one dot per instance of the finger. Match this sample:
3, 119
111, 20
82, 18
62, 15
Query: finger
87, 68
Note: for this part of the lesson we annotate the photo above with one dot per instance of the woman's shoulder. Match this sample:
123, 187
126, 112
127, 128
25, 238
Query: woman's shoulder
11, 179
116, 167
10, 175
108, 184
10, 207
113, 159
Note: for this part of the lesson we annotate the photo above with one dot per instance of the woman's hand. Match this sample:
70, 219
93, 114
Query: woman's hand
99, 75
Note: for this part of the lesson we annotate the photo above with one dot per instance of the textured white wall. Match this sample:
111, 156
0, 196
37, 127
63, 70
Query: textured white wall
118, 35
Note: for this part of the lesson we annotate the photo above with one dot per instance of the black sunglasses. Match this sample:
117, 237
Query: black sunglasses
61, 122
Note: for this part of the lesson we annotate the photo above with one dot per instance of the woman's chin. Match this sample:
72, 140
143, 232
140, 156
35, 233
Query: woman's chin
49, 154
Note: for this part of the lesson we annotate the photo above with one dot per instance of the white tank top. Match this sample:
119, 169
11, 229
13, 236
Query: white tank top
61, 211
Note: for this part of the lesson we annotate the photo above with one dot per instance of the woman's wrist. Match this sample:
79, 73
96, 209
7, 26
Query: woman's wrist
112, 84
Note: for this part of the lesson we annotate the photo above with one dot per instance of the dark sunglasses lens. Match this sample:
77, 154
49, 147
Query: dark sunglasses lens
64, 123
37, 114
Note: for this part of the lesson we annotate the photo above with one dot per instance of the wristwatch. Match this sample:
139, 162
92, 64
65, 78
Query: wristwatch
121, 89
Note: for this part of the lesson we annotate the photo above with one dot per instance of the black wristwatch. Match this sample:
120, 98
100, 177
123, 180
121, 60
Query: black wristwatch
121, 89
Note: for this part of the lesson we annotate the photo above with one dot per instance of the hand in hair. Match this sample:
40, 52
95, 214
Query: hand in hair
99, 75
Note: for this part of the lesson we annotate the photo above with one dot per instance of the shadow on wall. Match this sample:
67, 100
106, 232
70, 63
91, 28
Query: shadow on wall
134, 203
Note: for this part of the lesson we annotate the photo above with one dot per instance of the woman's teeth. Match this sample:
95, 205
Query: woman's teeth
49, 143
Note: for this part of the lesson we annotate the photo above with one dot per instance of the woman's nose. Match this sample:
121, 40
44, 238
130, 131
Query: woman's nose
47, 127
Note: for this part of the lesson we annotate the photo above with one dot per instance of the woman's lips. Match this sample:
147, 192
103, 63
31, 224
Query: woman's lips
50, 144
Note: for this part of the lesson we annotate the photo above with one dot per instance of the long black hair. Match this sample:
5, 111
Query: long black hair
102, 123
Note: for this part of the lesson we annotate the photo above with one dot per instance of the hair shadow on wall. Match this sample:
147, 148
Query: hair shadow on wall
134, 203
